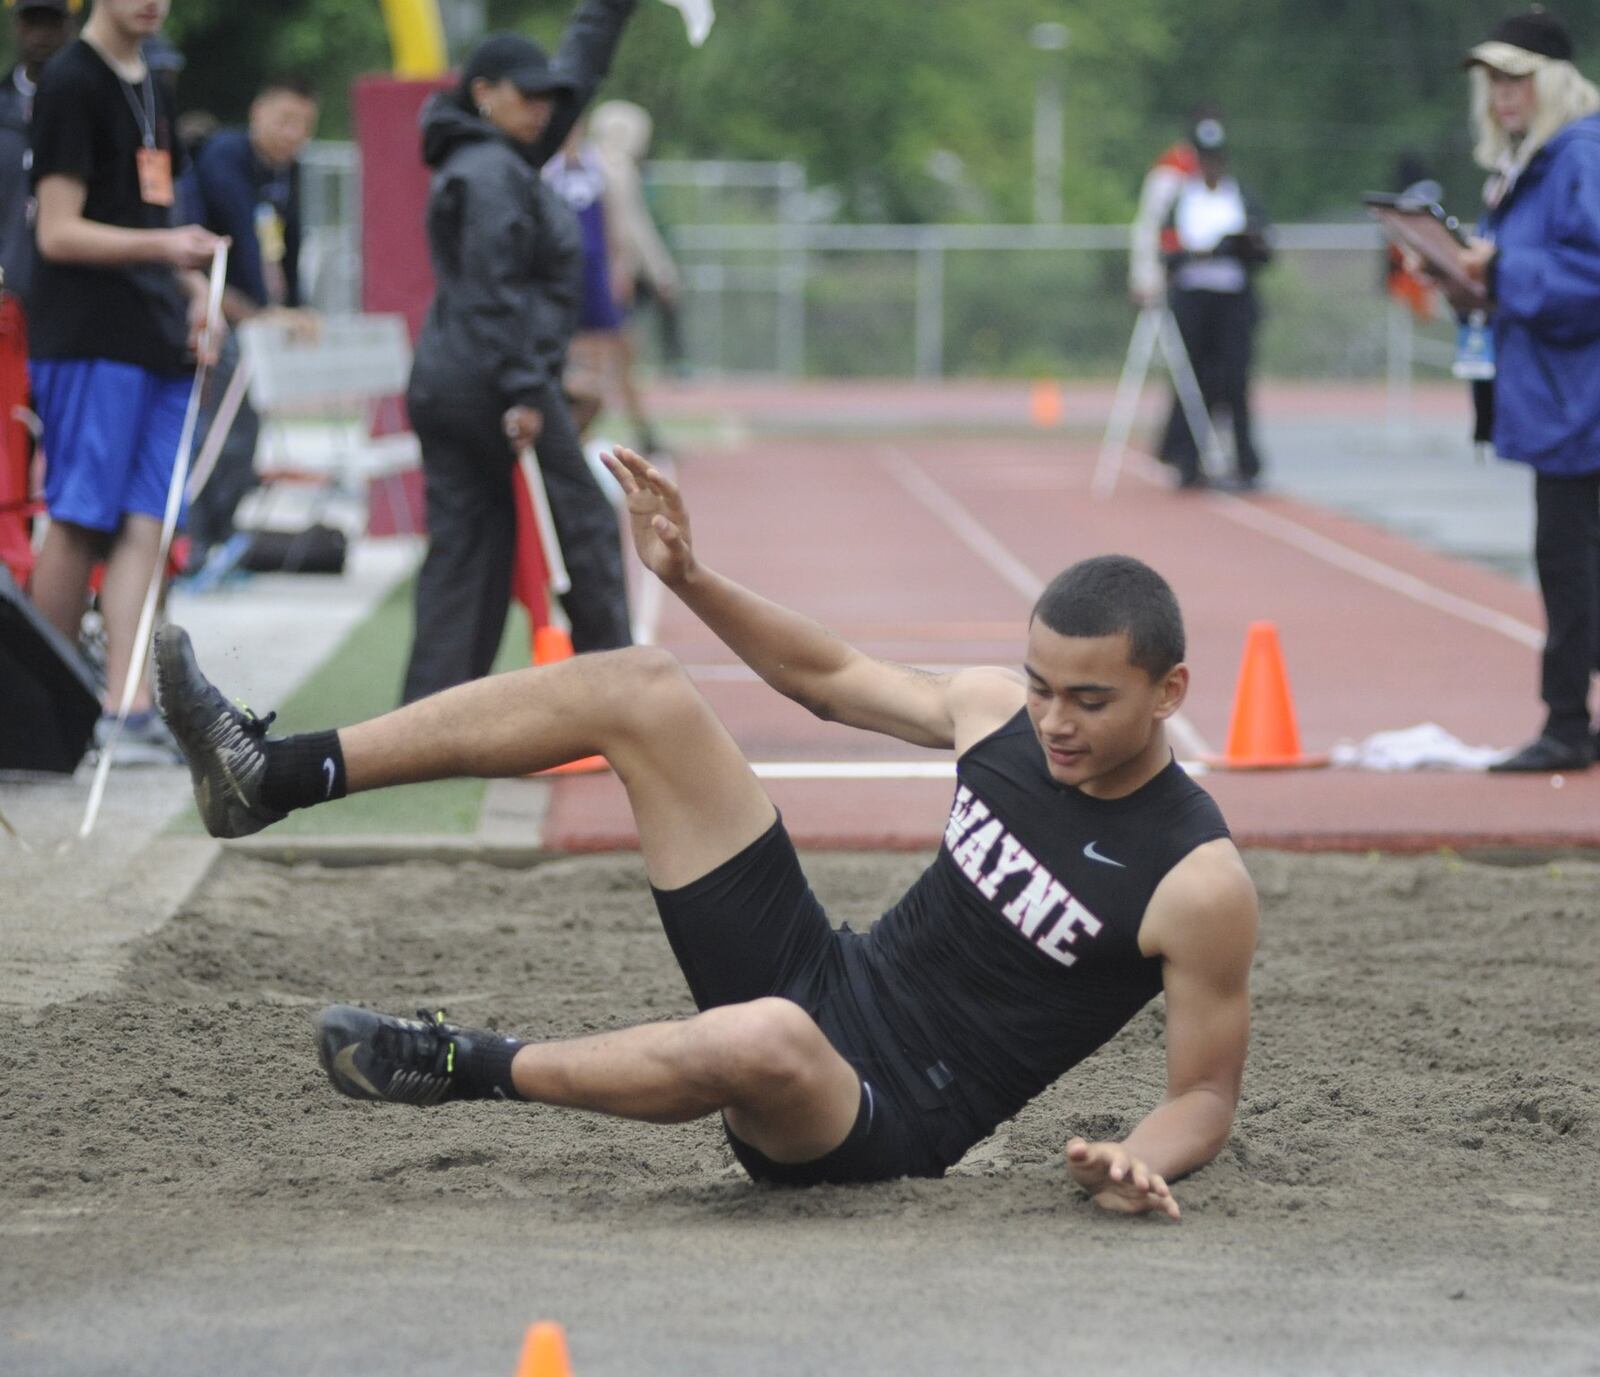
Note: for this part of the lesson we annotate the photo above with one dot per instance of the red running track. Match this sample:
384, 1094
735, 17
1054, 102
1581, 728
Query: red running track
930, 550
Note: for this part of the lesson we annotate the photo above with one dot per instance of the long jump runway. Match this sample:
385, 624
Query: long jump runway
932, 549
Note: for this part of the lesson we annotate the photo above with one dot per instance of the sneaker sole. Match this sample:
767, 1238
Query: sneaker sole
184, 695
342, 1031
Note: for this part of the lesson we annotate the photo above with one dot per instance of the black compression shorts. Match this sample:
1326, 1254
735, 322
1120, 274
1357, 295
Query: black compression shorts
752, 928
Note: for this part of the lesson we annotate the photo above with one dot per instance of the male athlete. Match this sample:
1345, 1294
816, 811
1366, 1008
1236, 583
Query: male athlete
1082, 873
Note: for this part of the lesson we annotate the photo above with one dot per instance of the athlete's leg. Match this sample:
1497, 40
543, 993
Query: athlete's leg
693, 796
694, 799
765, 1065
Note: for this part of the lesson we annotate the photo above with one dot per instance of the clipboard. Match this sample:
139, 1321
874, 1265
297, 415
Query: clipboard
1427, 230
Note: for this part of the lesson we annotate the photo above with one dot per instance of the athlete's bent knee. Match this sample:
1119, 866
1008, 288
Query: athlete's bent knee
768, 1048
650, 691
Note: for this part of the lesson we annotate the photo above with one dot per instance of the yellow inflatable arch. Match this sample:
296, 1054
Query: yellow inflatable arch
416, 34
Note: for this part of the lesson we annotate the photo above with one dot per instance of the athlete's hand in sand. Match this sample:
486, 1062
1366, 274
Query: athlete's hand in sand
1116, 1180
656, 512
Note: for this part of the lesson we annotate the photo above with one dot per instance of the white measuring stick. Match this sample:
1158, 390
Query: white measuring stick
16, 836
169, 524
533, 475
217, 436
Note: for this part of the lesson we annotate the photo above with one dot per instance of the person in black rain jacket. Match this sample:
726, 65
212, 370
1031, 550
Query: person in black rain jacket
486, 379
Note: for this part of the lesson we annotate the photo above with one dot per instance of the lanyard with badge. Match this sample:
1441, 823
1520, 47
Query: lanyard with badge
155, 164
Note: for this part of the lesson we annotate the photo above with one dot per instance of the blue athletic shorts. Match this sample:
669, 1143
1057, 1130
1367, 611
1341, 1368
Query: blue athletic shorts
111, 433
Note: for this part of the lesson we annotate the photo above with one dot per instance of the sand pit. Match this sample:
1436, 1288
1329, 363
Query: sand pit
1413, 1183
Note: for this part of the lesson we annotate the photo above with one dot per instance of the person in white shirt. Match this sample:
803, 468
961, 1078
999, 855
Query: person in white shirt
1210, 242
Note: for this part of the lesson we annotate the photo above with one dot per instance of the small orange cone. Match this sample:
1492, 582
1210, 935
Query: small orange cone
1045, 408
1262, 734
552, 644
544, 1352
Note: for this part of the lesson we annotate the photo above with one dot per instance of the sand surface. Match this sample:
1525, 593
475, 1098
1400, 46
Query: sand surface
1413, 1183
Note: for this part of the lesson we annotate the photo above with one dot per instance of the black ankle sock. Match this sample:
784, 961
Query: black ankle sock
302, 770
483, 1066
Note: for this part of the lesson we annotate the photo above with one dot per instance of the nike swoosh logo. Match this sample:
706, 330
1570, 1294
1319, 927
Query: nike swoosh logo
344, 1064
327, 764
1094, 855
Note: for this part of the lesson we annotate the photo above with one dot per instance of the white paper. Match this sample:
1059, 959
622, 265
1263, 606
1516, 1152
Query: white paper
1425, 747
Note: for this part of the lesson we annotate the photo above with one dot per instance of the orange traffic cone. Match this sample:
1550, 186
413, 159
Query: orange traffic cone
1262, 734
552, 644
1045, 408
544, 1352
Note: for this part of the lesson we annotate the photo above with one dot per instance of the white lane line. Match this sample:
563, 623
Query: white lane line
1186, 739
875, 769
647, 611
1330, 551
966, 527
741, 674
855, 769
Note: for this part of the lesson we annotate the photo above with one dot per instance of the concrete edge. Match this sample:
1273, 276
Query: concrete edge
361, 850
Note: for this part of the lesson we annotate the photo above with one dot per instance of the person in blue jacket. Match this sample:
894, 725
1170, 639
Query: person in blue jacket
1537, 262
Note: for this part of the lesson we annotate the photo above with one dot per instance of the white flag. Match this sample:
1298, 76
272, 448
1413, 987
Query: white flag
698, 17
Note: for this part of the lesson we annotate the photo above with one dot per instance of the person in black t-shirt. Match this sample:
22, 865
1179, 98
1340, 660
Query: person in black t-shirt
1082, 873
117, 308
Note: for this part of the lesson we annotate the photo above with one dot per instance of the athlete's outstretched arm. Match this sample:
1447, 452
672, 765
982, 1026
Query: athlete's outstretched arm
1202, 923
797, 656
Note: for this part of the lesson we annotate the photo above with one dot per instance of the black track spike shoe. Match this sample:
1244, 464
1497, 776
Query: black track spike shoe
371, 1056
224, 745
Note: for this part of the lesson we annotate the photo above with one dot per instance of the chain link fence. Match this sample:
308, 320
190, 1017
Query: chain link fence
770, 287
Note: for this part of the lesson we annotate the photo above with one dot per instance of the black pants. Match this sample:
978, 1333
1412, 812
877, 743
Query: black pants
464, 588
1566, 548
1218, 330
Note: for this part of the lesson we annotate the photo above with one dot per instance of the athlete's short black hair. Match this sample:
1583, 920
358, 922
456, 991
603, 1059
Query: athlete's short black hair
1115, 593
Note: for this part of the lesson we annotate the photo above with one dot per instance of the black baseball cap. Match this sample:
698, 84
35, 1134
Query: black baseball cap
54, 6
1519, 45
519, 60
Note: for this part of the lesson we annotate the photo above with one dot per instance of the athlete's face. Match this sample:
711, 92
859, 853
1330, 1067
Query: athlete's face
1098, 717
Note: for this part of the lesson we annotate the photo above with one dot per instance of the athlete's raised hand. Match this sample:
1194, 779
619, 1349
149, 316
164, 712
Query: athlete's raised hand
656, 512
1116, 1180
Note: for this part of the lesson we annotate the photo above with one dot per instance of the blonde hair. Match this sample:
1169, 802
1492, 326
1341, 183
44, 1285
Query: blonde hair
1561, 95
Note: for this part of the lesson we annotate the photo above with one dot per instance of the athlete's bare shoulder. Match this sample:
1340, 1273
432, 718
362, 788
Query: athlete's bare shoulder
982, 699
1206, 904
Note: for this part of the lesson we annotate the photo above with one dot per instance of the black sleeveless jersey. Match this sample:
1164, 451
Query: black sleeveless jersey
1016, 954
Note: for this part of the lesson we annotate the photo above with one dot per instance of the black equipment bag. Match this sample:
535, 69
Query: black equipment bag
319, 549
49, 700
